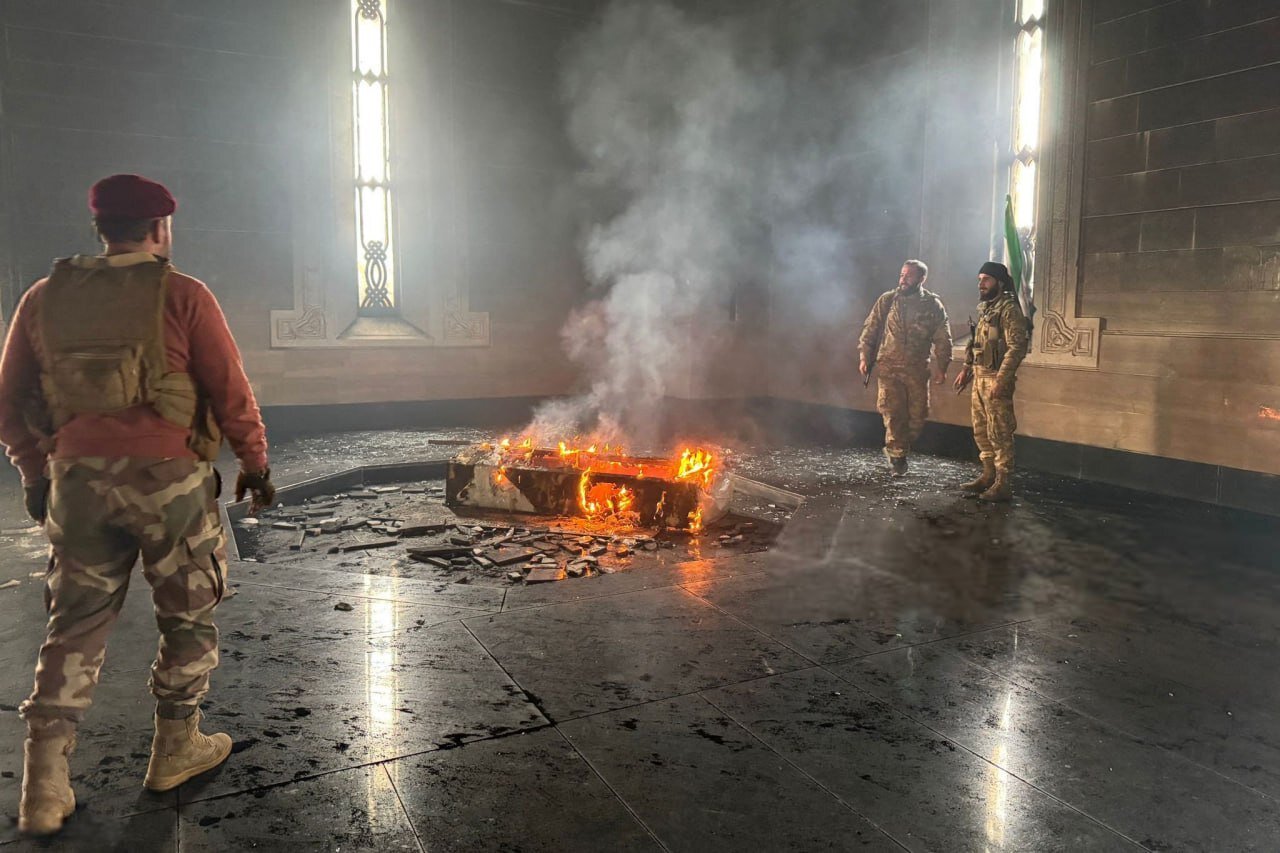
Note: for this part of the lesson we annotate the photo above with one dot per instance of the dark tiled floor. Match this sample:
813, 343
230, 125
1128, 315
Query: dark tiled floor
1087, 669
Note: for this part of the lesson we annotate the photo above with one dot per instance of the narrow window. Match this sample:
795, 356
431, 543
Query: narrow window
1028, 95
375, 226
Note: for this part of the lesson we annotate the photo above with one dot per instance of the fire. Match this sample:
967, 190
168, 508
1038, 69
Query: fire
603, 500
695, 521
695, 462
601, 465
1268, 413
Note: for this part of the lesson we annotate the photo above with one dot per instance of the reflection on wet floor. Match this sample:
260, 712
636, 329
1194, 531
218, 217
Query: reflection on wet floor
1087, 668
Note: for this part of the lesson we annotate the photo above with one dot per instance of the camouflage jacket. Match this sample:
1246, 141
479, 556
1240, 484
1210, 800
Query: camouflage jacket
901, 328
999, 341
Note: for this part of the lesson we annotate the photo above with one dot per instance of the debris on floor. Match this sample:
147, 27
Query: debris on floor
406, 530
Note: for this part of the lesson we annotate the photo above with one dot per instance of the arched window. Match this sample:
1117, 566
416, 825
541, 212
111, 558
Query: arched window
374, 208
1028, 98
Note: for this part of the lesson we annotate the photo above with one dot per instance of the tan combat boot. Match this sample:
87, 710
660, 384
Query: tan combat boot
47, 798
180, 751
1001, 490
984, 480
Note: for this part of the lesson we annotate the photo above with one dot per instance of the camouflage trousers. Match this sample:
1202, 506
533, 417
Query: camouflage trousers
993, 420
903, 401
103, 513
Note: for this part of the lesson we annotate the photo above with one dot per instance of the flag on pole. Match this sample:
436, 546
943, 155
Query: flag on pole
1019, 269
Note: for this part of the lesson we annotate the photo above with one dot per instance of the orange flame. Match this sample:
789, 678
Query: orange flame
1268, 413
603, 500
695, 462
695, 521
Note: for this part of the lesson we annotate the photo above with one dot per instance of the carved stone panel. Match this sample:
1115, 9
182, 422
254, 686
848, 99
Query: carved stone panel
1062, 338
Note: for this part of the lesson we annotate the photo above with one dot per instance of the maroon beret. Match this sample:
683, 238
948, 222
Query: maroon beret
130, 197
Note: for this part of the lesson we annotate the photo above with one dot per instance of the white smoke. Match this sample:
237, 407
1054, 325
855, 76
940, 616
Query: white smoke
730, 142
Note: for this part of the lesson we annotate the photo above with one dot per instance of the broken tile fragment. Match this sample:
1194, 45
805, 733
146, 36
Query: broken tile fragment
366, 546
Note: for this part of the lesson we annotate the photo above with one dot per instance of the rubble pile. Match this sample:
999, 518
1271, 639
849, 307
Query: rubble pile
411, 525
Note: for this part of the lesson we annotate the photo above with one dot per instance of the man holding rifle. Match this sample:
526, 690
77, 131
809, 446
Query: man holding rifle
904, 324
996, 348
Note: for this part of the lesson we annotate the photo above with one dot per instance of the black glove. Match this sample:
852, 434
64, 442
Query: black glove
259, 483
37, 499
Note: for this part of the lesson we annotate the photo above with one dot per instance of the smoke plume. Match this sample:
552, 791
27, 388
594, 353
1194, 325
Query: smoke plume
727, 147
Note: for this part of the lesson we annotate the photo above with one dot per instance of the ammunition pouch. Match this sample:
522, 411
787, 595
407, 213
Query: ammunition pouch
989, 345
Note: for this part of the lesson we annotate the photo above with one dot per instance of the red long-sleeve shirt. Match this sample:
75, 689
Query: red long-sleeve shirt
197, 341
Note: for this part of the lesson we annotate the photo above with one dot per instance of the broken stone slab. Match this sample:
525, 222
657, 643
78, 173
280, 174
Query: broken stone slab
354, 523
576, 570
515, 577
362, 495
439, 562
483, 561
425, 554
421, 527
599, 551
369, 546
385, 490
510, 559
331, 526
296, 545
543, 575
284, 525
651, 545
249, 522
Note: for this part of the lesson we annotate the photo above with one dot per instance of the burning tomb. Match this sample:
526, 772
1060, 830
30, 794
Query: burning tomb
592, 482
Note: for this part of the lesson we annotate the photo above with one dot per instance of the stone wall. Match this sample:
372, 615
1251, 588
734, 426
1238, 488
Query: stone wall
1179, 244
237, 106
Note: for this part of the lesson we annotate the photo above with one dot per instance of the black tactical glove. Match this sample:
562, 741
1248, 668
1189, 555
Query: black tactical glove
37, 499
259, 483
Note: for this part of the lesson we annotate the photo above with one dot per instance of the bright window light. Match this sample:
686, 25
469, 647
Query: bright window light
375, 227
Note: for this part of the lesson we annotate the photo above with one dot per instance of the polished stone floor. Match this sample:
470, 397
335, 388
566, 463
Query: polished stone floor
1086, 669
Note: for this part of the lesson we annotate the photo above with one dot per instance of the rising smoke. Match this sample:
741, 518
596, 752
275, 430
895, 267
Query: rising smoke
733, 143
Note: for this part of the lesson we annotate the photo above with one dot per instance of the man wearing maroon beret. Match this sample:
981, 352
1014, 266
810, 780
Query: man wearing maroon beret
119, 380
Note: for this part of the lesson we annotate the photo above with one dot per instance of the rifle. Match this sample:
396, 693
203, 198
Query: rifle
874, 355
973, 332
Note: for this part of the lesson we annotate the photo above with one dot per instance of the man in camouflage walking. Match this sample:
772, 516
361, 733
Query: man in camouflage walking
997, 347
900, 330
118, 380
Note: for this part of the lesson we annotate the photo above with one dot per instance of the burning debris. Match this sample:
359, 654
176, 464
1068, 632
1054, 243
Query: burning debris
614, 512
594, 482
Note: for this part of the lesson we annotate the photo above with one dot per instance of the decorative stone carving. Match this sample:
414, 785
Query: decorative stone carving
462, 327
307, 323
1061, 337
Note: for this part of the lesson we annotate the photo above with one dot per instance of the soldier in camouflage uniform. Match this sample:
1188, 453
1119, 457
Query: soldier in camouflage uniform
897, 336
998, 345
118, 380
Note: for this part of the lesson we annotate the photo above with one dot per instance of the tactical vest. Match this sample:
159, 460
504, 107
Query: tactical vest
989, 345
103, 348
